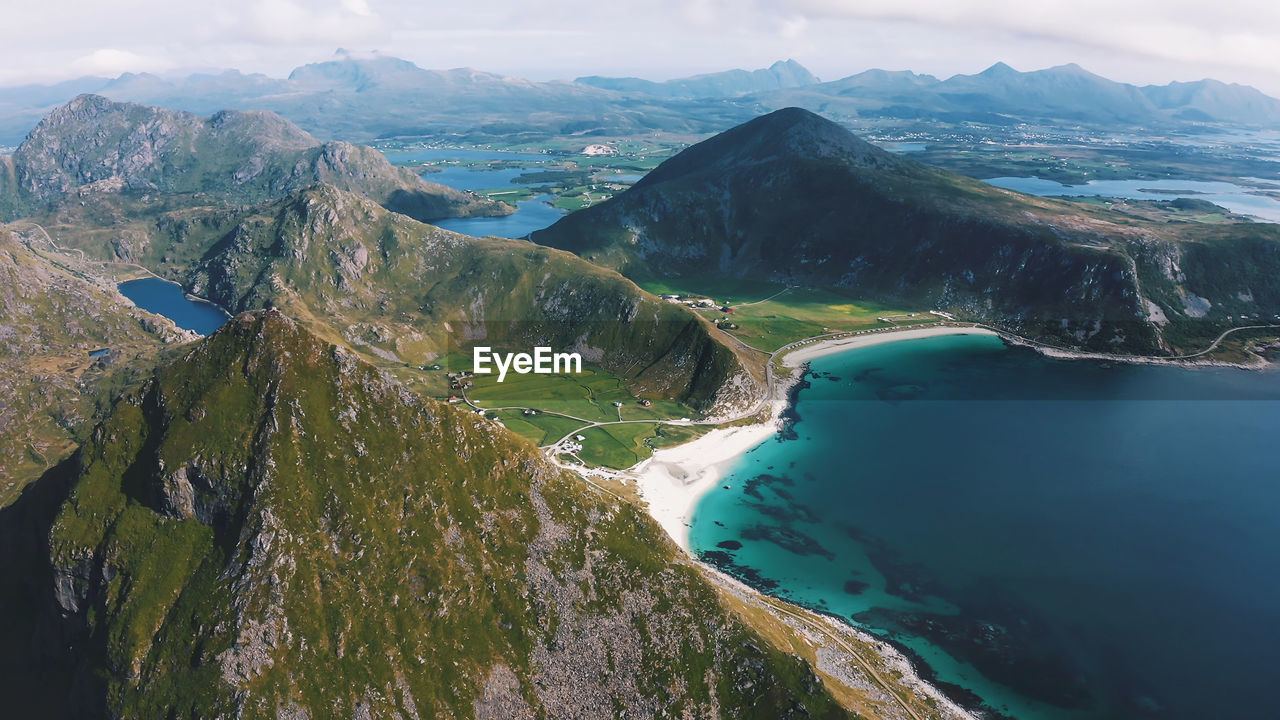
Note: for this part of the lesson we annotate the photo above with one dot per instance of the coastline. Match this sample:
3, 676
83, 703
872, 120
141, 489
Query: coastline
673, 480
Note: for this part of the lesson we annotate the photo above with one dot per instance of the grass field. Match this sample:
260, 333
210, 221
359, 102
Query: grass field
621, 446
589, 396
770, 315
542, 429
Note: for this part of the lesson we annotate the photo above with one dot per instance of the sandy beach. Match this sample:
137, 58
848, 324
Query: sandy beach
818, 348
673, 480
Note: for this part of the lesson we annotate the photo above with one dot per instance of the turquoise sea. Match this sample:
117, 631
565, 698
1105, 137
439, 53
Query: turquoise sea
1048, 538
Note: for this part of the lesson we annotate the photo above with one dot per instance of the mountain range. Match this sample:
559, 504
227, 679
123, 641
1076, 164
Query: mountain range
362, 98
245, 210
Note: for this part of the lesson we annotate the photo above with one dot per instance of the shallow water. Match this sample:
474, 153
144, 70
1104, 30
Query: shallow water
1060, 539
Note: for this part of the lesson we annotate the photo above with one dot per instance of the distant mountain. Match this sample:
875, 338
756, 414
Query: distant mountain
730, 83
1068, 91
358, 98
1002, 95
795, 198
268, 527
94, 146
1211, 100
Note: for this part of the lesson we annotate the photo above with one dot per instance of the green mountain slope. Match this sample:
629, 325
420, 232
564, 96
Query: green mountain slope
269, 527
399, 290
52, 316
795, 198
93, 147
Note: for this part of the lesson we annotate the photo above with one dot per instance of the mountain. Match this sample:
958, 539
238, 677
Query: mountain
94, 146
730, 83
1001, 95
53, 317
795, 198
269, 527
403, 291
361, 98
1211, 100
1068, 92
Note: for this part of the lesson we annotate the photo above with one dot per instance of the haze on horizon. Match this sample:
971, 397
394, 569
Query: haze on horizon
1137, 41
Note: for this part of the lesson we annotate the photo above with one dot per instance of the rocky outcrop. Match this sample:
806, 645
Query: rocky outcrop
93, 146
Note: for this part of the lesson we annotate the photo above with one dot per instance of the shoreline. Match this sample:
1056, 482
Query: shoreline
673, 480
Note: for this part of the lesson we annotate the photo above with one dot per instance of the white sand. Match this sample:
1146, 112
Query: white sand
818, 348
675, 479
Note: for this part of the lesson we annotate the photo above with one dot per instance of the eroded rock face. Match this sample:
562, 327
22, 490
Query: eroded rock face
272, 528
94, 146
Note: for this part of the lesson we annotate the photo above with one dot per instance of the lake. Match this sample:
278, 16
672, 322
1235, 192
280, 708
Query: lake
1056, 539
533, 214
1236, 198
166, 298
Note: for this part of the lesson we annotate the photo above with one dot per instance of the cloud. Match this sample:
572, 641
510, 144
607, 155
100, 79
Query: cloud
286, 22
1224, 33
111, 62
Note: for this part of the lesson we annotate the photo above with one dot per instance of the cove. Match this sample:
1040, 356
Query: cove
165, 298
1047, 538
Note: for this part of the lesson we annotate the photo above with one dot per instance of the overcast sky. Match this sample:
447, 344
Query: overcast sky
1141, 41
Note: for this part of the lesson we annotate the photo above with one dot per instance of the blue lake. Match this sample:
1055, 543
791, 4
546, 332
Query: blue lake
1056, 539
165, 298
1237, 198
530, 215
533, 214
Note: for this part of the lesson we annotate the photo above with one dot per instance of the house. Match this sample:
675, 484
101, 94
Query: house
454, 399
646, 403
617, 404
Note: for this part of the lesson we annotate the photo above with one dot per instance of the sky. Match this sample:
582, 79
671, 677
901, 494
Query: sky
1139, 41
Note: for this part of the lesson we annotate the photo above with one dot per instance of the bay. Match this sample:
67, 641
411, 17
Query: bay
1052, 538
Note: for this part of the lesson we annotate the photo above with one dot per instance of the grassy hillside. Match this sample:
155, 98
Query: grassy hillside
53, 315
269, 527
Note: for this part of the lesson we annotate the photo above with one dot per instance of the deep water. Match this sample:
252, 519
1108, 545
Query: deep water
165, 298
1055, 539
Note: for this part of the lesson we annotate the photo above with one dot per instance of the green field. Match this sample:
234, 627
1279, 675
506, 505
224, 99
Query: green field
589, 396
542, 429
621, 446
770, 315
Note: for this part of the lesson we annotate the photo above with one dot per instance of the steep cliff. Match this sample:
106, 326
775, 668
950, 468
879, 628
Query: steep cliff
269, 527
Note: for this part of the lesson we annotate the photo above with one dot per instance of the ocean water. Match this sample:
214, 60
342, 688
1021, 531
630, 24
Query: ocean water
1051, 538
165, 298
